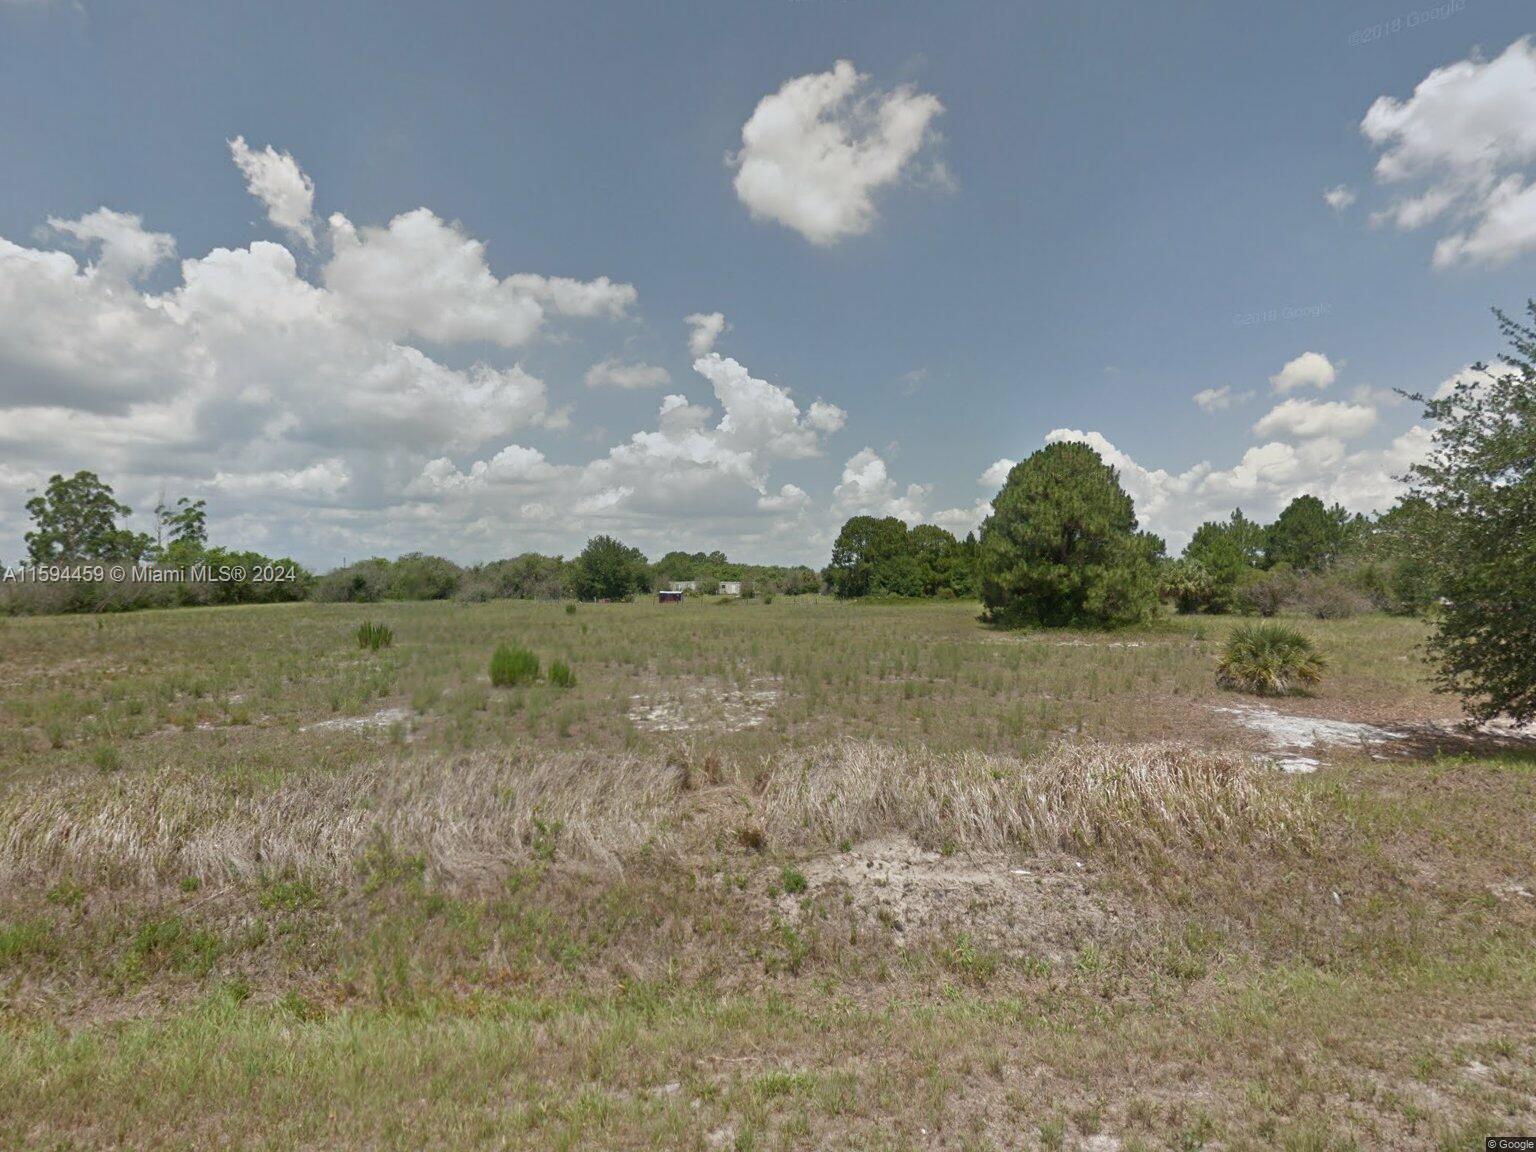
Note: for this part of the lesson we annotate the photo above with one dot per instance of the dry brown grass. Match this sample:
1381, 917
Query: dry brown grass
473, 816
1077, 797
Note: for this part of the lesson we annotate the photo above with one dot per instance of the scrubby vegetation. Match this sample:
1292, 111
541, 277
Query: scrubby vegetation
1477, 530
513, 664
863, 853
1269, 660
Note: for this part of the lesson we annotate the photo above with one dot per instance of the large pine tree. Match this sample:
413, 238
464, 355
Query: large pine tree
1061, 546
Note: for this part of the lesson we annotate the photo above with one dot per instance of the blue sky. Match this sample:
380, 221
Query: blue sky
995, 225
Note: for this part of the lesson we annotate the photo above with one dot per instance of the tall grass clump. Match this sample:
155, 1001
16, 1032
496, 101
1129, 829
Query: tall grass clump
1269, 660
513, 664
1080, 798
561, 676
373, 635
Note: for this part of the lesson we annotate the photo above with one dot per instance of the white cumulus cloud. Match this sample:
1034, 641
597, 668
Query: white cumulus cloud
1301, 419
815, 152
422, 276
127, 251
276, 179
1309, 370
868, 489
1339, 197
996, 474
704, 329
613, 373
1466, 140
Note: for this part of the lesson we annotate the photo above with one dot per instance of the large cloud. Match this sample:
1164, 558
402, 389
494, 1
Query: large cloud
867, 489
1466, 142
1307, 419
258, 387
815, 152
691, 474
421, 276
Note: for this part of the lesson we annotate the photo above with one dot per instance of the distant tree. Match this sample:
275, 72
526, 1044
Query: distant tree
943, 566
1189, 584
181, 532
1061, 546
801, 581
1478, 527
362, 582
416, 576
607, 569
1226, 551
1402, 543
871, 556
1307, 535
185, 522
77, 520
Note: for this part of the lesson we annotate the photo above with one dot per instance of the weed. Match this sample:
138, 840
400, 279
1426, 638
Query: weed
560, 675
513, 664
374, 635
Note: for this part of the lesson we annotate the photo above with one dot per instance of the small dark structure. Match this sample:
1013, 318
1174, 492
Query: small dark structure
669, 596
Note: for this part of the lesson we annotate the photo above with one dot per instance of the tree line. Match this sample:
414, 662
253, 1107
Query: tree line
1062, 546
78, 520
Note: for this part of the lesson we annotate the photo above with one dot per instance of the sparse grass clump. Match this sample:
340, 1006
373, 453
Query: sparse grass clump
560, 675
793, 880
374, 634
1269, 660
513, 664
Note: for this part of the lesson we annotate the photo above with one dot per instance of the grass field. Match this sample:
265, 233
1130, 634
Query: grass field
789, 875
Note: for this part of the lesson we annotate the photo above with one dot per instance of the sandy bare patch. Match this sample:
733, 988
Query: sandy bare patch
383, 718
1289, 735
698, 705
1046, 907
1500, 728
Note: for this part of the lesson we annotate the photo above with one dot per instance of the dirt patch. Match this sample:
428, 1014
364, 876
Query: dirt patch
688, 706
1044, 907
383, 718
1288, 734
1293, 737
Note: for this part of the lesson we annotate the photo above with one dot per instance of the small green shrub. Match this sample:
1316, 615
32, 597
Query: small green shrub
1268, 660
570, 609
373, 635
793, 880
513, 664
561, 676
